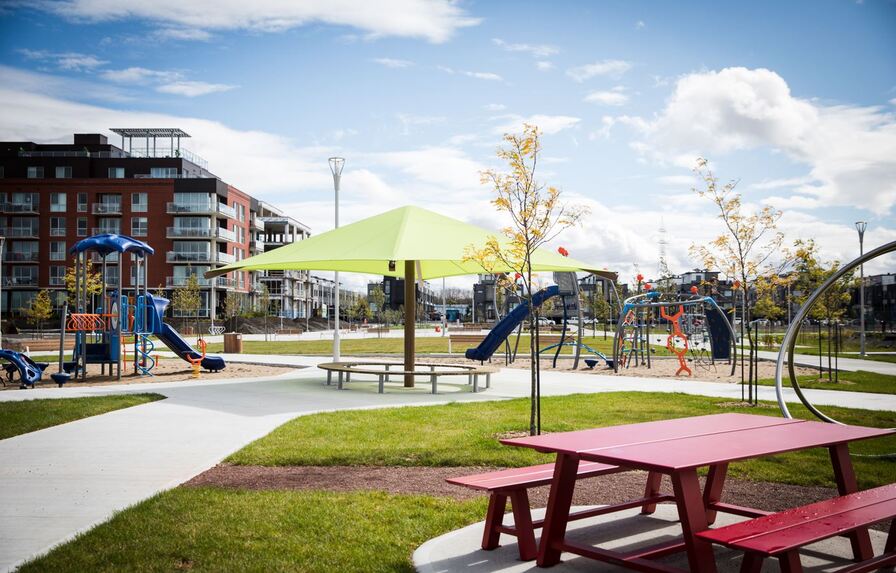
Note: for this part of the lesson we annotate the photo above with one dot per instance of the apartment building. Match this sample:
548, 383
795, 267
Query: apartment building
53, 195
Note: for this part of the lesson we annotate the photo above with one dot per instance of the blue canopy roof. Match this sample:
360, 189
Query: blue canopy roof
111, 243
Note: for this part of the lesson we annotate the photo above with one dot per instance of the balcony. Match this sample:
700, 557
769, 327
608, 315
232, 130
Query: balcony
57, 281
21, 232
224, 258
190, 233
182, 281
188, 257
57, 256
206, 208
57, 232
107, 208
105, 230
257, 224
27, 207
226, 235
224, 282
21, 281
95, 257
14, 257
257, 246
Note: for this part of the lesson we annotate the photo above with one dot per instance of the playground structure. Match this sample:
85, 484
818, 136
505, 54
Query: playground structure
101, 322
694, 316
788, 344
567, 288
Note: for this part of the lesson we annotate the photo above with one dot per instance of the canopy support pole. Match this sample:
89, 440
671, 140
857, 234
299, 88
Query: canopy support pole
410, 315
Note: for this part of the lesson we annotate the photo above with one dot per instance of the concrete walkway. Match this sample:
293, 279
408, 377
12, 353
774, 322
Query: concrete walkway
63, 480
850, 364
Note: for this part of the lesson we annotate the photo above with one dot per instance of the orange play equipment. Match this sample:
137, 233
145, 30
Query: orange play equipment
196, 362
677, 333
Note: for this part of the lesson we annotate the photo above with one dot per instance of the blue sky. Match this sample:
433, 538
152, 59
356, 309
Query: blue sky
794, 99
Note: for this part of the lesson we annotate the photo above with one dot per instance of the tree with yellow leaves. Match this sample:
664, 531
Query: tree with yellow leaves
749, 244
536, 217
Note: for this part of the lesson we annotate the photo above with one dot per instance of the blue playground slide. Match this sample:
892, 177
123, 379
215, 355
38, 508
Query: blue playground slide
30, 371
173, 340
508, 324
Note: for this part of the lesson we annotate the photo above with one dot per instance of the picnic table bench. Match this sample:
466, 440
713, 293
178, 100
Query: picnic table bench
513, 485
384, 370
781, 534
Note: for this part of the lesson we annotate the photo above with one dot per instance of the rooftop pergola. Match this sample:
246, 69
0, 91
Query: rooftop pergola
153, 133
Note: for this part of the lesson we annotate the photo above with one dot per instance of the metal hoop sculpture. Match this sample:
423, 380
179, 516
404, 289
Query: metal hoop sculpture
789, 342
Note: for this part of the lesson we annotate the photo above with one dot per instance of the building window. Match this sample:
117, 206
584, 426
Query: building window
82, 202
108, 225
82, 226
23, 252
57, 250
139, 203
57, 276
139, 226
163, 172
58, 202
57, 226
35, 173
63, 173
116, 173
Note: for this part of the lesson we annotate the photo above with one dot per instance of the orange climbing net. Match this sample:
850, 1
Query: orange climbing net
86, 322
677, 333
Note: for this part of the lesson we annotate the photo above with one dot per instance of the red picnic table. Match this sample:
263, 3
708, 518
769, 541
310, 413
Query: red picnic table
678, 448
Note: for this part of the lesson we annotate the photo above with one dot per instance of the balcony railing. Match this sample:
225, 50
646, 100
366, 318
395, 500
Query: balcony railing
14, 257
57, 281
226, 211
21, 232
107, 208
256, 245
21, 281
188, 257
57, 232
10, 207
224, 258
98, 258
105, 230
174, 208
182, 281
190, 233
226, 235
56, 256
225, 282
257, 224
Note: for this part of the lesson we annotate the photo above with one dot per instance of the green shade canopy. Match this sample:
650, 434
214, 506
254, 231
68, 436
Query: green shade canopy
404, 234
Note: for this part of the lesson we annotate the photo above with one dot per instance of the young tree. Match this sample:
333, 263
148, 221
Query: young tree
600, 311
94, 284
186, 299
361, 309
746, 248
264, 305
233, 306
765, 306
40, 309
536, 217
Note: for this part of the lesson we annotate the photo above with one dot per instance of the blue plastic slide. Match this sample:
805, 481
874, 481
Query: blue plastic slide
29, 370
173, 340
508, 324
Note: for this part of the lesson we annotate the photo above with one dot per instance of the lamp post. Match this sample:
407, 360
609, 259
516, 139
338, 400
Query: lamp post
2, 240
336, 164
860, 227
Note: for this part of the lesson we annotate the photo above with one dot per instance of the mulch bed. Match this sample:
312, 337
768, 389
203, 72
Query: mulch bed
431, 481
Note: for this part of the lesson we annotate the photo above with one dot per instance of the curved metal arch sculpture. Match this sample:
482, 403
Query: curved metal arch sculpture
789, 342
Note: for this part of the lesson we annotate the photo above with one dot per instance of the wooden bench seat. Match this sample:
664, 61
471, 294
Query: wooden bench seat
384, 370
514, 483
782, 534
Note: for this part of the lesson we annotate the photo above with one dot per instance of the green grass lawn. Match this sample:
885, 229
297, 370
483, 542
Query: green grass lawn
466, 435
860, 381
210, 529
32, 415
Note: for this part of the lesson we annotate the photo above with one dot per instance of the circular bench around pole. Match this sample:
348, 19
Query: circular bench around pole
383, 370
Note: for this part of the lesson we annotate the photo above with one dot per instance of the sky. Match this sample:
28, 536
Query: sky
796, 101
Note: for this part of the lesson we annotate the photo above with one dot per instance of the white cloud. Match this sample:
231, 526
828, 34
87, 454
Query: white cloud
544, 65
489, 76
138, 75
850, 151
548, 124
393, 63
433, 20
183, 34
779, 183
611, 68
677, 180
70, 61
537, 50
495, 107
640, 25
192, 88
615, 97
893, 101
409, 120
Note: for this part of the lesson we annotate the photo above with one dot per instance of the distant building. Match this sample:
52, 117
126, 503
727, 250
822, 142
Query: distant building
393, 291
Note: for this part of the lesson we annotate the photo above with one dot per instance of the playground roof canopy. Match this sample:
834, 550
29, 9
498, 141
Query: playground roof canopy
382, 243
111, 243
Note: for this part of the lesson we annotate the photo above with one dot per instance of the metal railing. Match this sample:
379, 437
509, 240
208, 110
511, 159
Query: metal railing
182, 281
56, 256
107, 209
226, 210
190, 232
14, 257
175, 208
188, 257
98, 258
224, 258
57, 281
11, 207
21, 281
226, 235
57, 232
21, 232
105, 230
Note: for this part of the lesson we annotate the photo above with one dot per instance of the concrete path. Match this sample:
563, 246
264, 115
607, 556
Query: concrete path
63, 480
850, 364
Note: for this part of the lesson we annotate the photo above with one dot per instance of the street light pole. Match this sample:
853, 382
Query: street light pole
336, 164
2, 240
860, 227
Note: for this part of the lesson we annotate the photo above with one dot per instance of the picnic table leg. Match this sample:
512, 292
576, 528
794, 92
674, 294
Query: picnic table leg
381, 386
475, 383
845, 477
790, 562
433, 380
488, 380
652, 489
692, 514
752, 563
557, 512
387, 372
329, 377
494, 518
522, 522
712, 491
339, 381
